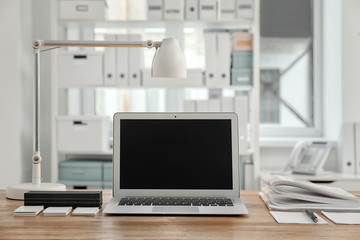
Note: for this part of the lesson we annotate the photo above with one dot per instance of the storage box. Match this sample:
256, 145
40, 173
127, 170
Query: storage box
82, 9
89, 134
242, 59
78, 69
241, 77
154, 9
107, 185
173, 9
107, 171
242, 41
80, 170
194, 79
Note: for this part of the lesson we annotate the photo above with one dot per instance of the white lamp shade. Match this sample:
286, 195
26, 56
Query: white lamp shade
169, 60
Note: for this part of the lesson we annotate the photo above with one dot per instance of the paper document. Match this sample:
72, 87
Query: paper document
28, 210
57, 211
343, 217
295, 217
85, 211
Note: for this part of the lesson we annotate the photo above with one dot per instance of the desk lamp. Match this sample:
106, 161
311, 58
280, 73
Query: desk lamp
168, 62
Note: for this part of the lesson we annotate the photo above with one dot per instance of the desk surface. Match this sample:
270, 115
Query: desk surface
257, 225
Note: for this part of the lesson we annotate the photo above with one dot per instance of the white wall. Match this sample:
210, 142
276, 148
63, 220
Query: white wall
16, 77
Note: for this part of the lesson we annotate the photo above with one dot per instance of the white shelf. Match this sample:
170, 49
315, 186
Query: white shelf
212, 24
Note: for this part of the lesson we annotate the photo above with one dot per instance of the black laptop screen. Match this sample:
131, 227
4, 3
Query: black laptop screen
175, 154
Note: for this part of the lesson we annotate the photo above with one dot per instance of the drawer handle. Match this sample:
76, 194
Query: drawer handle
82, 8
79, 123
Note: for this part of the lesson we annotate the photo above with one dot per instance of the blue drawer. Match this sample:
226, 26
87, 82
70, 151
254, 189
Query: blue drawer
108, 171
107, 185
242, 59
80, 170
241, 77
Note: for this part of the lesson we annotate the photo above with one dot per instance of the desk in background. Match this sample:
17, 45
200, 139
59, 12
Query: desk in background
259, 224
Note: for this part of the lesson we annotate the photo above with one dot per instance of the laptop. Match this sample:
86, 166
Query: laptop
176, 163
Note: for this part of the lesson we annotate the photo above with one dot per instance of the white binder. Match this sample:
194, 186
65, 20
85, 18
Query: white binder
241, 109
210, 59
227, 104
224, 56
202, 106
214, 105
347, 148
155, 9
189, 106
173, 9
192, 9
109, 63
122, 63
227, 10
244, 8
135, 61
208, 9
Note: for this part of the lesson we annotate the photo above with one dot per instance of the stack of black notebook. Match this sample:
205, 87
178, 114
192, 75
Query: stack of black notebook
63, 198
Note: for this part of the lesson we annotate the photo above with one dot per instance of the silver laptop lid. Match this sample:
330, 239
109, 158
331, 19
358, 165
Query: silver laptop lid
176, 154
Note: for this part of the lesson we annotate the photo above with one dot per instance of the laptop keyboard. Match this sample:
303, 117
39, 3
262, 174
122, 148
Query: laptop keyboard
175, 201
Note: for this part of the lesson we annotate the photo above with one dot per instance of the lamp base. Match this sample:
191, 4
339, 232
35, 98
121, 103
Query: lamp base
17, 191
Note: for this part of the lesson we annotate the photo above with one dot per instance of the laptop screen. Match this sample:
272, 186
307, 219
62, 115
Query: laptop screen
186, 154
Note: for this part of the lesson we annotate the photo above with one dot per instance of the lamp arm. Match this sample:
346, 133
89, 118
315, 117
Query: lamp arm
78, 43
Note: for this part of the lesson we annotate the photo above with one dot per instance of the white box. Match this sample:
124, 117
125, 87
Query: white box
192, 9
155, 9
347, 148
80, 69
173, 9
210, 59
82, 9
208, 10
122, 62
135, 62
227, 10
83, 133
244, 9
194, 79
224, 58
109, 63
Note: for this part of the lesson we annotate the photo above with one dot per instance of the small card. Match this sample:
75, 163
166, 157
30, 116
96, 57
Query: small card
343, 217
57, 211
28, 210
85, 211
295, 217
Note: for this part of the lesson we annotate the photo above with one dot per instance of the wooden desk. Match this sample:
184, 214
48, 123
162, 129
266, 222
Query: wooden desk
259, 224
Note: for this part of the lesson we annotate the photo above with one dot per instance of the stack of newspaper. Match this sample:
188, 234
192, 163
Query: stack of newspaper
286, 193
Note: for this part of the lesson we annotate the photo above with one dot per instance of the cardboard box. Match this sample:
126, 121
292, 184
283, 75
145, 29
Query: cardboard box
242, 41
241, 77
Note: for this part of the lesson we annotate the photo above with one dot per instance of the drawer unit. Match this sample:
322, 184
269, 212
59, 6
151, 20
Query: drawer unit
80, 170
82, 184
242, 59
108, 171
241, 77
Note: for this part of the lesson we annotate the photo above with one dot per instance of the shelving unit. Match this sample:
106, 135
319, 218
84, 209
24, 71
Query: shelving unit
84, 30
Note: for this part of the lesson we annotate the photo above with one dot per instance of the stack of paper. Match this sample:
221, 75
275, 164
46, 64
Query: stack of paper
28, 210
85, 211
285, 193
57, 211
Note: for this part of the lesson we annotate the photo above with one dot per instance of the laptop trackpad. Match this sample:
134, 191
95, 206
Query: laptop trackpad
162, 209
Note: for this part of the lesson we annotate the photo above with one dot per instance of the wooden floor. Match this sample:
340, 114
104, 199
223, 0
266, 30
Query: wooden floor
257, 225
